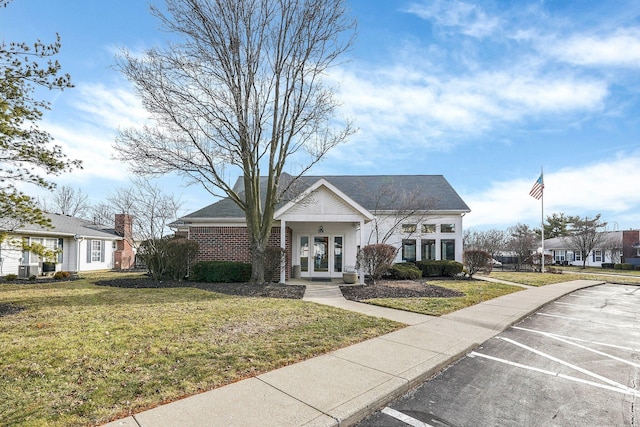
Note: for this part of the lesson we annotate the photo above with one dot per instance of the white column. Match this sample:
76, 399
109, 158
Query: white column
283, 245
361, 244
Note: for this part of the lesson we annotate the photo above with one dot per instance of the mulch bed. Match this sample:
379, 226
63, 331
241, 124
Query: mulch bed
8, 308
266, 290
397, 289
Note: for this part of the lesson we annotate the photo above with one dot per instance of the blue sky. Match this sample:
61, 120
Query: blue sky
484, 93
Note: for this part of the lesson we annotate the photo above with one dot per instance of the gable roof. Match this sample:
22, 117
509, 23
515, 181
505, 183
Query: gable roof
68, 226
367, 191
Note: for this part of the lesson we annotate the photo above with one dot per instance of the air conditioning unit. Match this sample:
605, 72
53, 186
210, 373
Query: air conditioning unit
26, 271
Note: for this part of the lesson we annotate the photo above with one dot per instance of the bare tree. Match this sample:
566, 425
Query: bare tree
613, 244
407, 205
492, 241
587, 235
67, 201
522, 242
244, 92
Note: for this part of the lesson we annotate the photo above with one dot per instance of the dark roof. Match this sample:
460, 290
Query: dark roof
373, 192
64, 225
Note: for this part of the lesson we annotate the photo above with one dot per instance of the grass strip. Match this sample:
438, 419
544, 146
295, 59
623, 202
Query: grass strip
74, 354
475, 291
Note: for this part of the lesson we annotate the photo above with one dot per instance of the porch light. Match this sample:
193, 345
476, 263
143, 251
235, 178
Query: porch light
321, 229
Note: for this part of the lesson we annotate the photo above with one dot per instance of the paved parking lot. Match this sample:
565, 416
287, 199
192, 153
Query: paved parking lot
575, 362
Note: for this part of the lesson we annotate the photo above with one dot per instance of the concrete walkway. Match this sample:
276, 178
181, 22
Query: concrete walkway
342, 387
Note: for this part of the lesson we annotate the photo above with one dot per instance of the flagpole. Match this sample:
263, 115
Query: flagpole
542, 217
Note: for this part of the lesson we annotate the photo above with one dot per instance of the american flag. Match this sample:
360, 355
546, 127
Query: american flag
536, 190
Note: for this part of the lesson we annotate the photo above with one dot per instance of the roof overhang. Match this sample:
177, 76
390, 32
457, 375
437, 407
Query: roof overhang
364, 213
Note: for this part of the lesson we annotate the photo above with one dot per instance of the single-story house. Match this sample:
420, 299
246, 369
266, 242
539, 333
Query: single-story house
618, 246
322, 222
79, 244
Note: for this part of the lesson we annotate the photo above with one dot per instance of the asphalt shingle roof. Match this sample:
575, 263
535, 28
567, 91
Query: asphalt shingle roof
366, 190
64, 225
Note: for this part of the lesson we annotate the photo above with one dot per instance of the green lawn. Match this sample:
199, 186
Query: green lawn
80, 354
539, 279
475, 291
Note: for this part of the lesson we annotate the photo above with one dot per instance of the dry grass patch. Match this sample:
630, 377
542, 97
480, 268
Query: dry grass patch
78, 354
542, 279
475, 291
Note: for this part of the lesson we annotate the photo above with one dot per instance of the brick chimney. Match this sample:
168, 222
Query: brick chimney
629, 239
124, 257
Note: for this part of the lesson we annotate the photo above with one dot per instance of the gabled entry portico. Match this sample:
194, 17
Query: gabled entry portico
326, 228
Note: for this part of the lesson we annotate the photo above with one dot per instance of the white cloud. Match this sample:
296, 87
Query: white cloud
468, 19
619, 49
585, 191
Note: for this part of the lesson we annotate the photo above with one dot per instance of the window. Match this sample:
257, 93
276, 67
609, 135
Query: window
560, 255
597, 255
304, 253
337, 254
428, 250
570, 256
447, 228
409, 250
428, 228
96, 250
448, 249
578, 255
409, 228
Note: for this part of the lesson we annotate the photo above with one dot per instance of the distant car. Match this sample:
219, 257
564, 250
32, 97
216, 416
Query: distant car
496, 263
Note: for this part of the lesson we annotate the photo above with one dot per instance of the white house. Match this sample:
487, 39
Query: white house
323, 221
618, 246
80, 246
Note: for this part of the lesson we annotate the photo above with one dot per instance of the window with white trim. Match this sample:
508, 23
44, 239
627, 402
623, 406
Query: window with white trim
428, 228
409, 228
96, 250
447, 228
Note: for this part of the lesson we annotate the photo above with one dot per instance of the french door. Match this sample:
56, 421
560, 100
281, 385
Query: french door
321, 255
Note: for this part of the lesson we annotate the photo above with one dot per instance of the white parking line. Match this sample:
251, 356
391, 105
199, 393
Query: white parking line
617, 325
592, 350
404, 418
628, 391
572, 366
604, 344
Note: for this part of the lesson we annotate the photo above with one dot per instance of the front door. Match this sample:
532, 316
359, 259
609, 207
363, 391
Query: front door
321, 255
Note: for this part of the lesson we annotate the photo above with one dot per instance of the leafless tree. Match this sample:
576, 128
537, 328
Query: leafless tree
613, 245
587, 235
67, 201
407, 206
492, 241
522, 242
243, 93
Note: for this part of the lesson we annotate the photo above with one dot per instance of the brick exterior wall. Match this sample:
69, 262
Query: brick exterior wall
123, 256
232, 244
629, 238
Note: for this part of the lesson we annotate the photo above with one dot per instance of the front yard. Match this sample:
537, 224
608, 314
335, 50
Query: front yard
79, 354
538, 279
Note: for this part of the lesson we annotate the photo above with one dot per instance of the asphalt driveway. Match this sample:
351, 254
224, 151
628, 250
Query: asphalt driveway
575, 362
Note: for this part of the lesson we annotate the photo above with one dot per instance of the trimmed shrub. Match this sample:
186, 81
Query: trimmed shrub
221, 272
608, 265
475, 261
430, 268
59, 275
274, 258
440, 268
405, 271
376, 259
180, 254
637, 267
627, 266
10, 277
451, 268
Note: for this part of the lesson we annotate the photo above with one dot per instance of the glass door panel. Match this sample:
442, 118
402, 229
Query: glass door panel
337, 254
304, 253
320, 254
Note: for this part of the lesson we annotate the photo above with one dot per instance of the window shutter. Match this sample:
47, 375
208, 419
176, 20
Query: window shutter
61, 248
102, 251
88, 251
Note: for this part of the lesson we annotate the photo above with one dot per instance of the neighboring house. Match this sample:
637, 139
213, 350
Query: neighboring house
619, 246
325, 220
80, 245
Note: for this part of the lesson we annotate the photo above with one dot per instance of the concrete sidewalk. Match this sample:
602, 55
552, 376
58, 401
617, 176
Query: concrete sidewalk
342, 387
